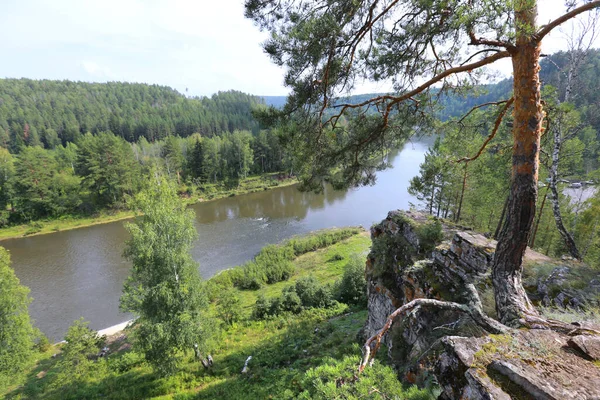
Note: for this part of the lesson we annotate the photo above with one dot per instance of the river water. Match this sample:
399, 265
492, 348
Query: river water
80, 273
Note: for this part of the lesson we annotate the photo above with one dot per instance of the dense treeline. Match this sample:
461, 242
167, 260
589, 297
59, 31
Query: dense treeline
74, 148
101, 171
48, 113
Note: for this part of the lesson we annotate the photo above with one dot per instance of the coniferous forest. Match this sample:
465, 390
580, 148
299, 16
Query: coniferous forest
305, 318
74, 148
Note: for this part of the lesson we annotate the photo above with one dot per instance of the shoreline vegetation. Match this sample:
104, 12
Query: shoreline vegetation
249, 185
287, 349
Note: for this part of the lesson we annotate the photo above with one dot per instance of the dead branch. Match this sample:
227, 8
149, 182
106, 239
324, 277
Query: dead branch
491, 136
535, 322
479, 318
475, 41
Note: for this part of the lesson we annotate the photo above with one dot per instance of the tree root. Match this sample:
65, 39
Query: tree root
489, 324
536, 322
478, 317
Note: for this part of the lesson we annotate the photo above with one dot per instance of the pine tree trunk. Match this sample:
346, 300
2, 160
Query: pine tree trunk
501, 220
512, 303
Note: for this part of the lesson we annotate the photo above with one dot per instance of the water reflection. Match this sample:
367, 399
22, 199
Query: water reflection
81, 272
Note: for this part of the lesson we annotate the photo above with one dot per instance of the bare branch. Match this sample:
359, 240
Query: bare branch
487, 323
546, 29
491, 136
491, 103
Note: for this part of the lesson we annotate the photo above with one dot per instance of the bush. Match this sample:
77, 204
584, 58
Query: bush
43, 344
290, 301
352, 288
306, 294
262, 307
229, 306
126, 362
274, 262
430, 235
312, 294
337, 379
336, 257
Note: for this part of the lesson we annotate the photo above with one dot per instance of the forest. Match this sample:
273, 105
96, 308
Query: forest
287, 324
74, 148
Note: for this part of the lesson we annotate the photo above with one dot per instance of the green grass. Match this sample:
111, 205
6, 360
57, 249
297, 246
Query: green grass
285, 352
283, 348
214, 191
317, 263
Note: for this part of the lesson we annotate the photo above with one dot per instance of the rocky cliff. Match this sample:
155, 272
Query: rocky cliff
414, 256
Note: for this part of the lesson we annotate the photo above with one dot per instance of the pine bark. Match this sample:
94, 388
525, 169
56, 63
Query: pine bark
512, 304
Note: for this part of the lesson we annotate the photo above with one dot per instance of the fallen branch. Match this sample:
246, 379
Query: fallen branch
245, 369
479, 318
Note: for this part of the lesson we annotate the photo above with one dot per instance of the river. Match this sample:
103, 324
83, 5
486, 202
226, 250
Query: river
80, 273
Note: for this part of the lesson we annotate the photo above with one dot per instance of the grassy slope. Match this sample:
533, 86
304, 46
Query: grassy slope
282, 349
249, 185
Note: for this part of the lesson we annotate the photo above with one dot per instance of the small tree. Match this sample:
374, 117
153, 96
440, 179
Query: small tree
164, 288
352, 288
82, 342
229, 306
16, 332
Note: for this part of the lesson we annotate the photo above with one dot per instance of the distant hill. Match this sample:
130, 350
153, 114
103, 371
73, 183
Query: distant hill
275, 101
49, 112
587, 94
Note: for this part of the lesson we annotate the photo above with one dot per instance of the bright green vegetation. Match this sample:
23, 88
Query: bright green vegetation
310, 354
16, 331
274, 262
164, 289
80, 151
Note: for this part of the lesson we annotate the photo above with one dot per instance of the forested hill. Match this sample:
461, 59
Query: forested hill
586, 95
46, 112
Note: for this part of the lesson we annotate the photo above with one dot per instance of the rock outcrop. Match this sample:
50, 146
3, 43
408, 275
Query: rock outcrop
414, 256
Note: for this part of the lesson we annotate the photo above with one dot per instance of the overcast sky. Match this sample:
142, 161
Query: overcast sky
202, 45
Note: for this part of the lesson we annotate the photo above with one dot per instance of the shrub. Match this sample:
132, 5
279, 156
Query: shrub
430, 235
262, 307
307, 293
336, 257
290, 301
274, 262
337, 379
312, 294
229, 306
43, 344
126, 362
352, 287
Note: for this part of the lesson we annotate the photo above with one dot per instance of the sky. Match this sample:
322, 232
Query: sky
198, 47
